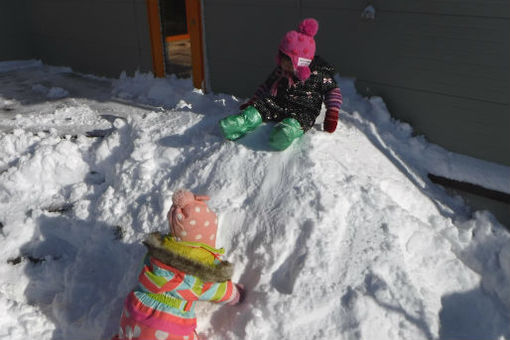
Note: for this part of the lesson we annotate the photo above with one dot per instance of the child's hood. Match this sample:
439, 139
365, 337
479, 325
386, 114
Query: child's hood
193, 258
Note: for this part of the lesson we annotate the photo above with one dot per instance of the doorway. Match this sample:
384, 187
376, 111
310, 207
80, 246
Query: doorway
176, 39
177, 45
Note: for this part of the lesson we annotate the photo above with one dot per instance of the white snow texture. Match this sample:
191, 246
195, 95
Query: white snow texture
341, 236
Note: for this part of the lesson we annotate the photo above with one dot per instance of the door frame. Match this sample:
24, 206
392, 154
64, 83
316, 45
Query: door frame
194, 22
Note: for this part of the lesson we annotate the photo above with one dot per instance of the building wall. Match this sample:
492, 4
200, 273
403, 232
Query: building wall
242, 37
103, 37
15, 40
442, 66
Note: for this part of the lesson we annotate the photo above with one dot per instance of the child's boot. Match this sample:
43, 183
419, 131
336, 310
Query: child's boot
236, 126
284, 133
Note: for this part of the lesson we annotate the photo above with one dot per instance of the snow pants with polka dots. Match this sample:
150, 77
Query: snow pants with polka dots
133, 330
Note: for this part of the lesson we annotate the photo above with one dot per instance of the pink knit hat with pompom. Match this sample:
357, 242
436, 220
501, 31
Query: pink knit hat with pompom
191, 220
300, 47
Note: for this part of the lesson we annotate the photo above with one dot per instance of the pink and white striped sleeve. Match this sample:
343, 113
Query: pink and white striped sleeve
333, 100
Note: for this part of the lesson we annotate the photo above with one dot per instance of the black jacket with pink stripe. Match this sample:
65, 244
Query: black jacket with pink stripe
302, 100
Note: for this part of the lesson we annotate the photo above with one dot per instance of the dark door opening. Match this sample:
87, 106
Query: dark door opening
177, 44
178, 63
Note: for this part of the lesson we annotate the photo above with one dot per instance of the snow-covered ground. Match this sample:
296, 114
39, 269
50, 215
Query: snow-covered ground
341, 236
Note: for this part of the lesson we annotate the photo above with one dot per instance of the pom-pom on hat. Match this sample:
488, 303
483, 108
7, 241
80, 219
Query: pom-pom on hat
191, 220
300, 47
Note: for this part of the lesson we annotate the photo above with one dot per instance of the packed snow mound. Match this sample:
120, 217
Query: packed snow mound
341, 236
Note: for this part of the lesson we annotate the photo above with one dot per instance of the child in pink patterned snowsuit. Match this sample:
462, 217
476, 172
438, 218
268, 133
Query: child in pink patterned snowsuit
179, 269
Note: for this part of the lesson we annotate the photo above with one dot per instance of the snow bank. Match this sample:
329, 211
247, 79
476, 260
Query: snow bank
6, 66
395, 139
22, 321
76, 118
341, 236
51, 93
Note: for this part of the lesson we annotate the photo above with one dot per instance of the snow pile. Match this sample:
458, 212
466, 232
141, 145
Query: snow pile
144, 88
341, 236
395, 140
21, 321
51, 93
172, 93
44, 171
6, 66
66, 117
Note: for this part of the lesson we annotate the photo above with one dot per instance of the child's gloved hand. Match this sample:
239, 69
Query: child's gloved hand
239, 296
331, 120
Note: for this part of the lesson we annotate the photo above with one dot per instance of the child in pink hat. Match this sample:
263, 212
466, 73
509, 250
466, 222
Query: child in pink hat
293, 93
179, 269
